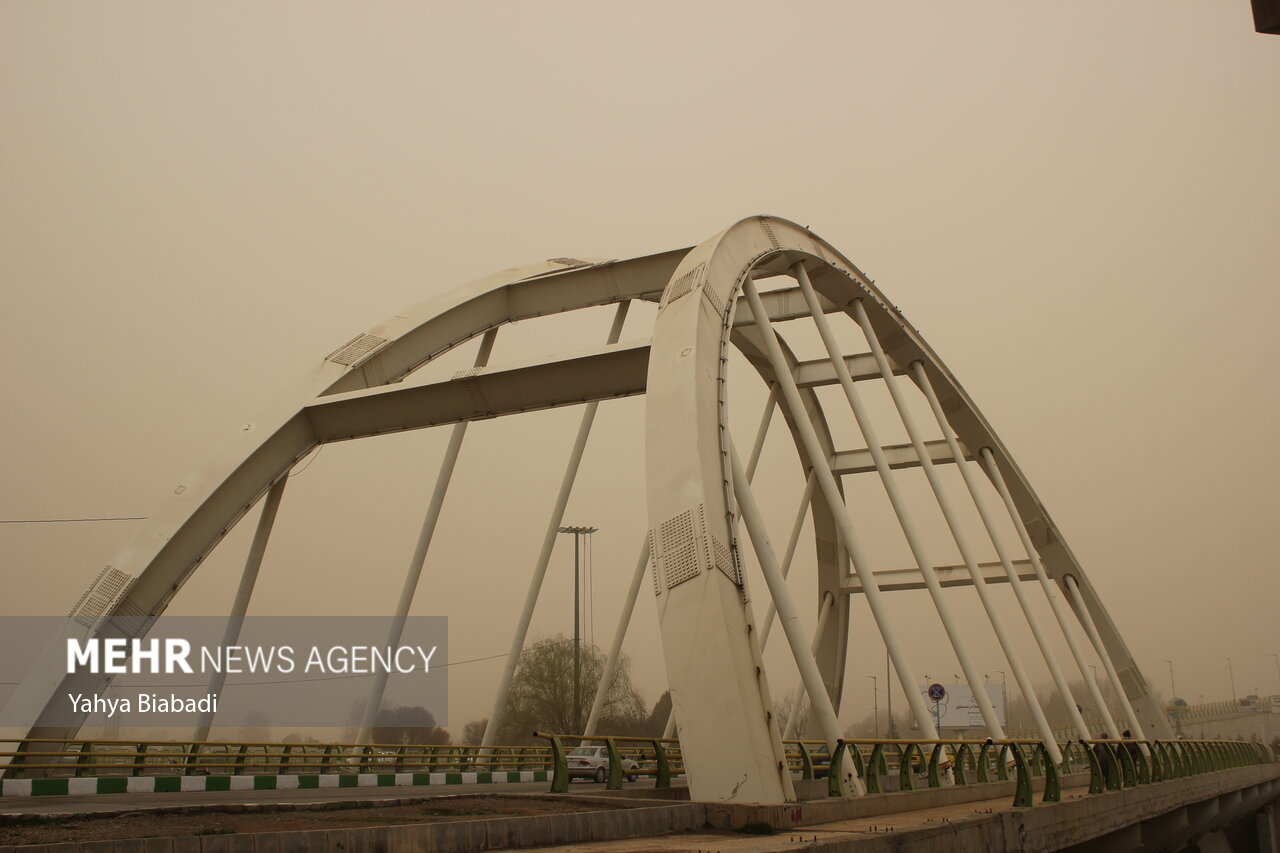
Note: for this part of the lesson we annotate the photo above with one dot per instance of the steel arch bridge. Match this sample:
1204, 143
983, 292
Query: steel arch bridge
733, 292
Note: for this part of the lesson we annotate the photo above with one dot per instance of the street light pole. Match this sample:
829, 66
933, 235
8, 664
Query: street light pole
577, 630
1232, 672
1277, 657
875, 706
888, 691
1172, 689
1004, 697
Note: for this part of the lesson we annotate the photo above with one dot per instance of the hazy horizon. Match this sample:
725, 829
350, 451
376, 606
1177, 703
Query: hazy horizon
1075, 203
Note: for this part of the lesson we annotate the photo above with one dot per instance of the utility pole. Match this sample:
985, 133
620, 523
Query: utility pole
1232, 672
875, 706
577, 623
1173, 691
1277, 657
1004, 696
888, 692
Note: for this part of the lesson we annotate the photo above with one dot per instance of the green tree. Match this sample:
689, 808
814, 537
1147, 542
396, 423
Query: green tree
408, 725
473, 732
656, 722
541, 696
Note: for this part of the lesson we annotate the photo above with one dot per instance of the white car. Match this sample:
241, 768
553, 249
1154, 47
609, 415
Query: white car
592, 762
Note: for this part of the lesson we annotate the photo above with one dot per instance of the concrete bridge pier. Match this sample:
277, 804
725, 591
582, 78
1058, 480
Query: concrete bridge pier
1231, 823
1266, 827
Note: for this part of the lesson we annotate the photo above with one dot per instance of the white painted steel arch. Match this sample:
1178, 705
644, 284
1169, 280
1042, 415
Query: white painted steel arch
708, 636
345, 399
731, 745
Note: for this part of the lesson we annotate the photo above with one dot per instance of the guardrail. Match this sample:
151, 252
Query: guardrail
1112, 764
75, 758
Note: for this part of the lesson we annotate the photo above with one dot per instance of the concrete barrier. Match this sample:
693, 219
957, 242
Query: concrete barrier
789, 815
460, 836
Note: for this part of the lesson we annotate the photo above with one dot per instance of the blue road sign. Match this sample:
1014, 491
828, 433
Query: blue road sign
937, 692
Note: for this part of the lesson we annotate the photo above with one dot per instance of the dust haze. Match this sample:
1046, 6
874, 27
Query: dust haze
1076, 203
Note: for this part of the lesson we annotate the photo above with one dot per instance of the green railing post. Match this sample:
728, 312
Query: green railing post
1114, 779
1127, 765
1022, 796
560, 778
1002, 767
877, 764
615, 766
1140, 764
984, 761
935, 779
806, 763
1052, 783
859, 766
238, 767
963, 753
1096, 782
140, 760
663, 767
835, 776
82, 760
906, 782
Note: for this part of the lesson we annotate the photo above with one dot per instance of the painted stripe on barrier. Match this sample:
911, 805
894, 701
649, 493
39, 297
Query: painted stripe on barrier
161, 784
76, 787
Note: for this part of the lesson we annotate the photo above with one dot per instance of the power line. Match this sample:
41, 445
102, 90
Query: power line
69, 520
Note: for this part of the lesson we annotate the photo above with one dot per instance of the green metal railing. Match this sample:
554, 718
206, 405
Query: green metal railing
59, 758
1112, 765
657, 757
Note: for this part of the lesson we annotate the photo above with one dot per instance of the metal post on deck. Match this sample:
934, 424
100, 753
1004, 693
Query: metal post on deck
914, 541
619, 635
828, 604
240, 606
971, 483
544, 555
820, 701
1055, 601
792, 541
1095, 639
414, 573
831, 492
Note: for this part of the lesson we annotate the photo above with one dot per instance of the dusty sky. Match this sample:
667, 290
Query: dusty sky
1076, 202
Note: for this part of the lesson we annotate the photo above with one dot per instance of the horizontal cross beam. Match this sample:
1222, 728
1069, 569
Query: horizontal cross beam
901, 579
897, 455
599, 374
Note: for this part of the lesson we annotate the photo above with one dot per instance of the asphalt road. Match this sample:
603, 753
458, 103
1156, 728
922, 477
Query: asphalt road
98, 803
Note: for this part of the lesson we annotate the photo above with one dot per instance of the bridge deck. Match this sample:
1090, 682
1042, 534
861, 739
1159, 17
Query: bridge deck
946, 819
